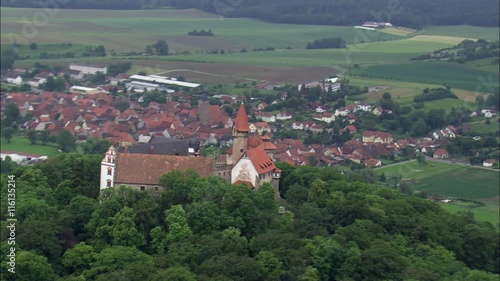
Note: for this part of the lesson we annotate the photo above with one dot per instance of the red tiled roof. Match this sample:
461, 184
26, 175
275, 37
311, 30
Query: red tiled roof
241, 121
249, 184
260, 160
148, 168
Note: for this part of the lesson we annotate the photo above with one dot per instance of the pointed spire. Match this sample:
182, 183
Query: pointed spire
241, 121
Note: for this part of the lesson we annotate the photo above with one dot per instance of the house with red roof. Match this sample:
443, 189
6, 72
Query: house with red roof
377, 137
440, 153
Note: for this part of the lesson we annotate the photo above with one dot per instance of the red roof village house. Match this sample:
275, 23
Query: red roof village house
377, 137
440, 154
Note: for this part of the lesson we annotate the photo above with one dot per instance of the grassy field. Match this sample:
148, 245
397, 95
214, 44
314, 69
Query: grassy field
476, 32
485, 213
55, 49
22, 144
448, 179
455, 181
480, 127
133, 30
454, 75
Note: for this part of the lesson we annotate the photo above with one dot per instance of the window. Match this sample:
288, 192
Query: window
241, 150
156, 188
108, 184
110, 171
143, 188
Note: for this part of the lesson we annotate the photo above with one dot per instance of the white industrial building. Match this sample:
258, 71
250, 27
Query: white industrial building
163, 81
88, 68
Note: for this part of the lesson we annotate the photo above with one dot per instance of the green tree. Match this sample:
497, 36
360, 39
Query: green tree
12, 115
178, 228
8, 58
271, 267
43, 137
117, 258
79, 258
174, 273
8, 133
479, 100
124, 231
29, 267
66, 141
421, 158
310, 274
32, 136
161, 48
33, 46
95, 146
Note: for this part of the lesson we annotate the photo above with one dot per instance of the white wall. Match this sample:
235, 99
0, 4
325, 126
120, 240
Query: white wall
244, 165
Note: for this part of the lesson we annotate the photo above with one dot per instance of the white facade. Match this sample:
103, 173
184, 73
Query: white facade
108, 165
88, 69
17, 80
244, 171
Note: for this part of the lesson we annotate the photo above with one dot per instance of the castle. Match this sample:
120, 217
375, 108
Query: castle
249, 161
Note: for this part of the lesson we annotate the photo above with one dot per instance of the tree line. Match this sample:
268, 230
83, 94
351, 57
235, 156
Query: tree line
327, 226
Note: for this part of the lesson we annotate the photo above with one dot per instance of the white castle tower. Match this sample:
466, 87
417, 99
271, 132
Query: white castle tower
108, 168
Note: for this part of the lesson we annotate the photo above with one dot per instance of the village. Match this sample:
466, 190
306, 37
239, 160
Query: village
99, 112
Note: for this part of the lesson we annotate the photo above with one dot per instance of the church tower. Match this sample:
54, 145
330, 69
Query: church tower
203, 105
108, 166
240, 132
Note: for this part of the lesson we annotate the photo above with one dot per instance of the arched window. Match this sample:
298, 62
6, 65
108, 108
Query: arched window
108, 184
110, 171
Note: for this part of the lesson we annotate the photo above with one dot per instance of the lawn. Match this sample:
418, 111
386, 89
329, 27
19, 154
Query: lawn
453, 74
22, 145
476, 32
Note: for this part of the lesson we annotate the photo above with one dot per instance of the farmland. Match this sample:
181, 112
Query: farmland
133, 30
455, 181
454, 75
475, 32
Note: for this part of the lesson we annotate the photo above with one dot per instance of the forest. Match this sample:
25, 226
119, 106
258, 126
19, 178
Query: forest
328, 226
408, 13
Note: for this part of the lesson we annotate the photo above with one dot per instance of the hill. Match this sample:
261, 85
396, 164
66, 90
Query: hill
409, 13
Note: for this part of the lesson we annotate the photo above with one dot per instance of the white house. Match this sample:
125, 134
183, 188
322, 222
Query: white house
327, 117
266, 117
85, 90
489, 162
364, 106
341, 111
283, 116
37, 81
16, 80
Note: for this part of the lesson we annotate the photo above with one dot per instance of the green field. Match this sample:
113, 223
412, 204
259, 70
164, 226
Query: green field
22, 144
133, 30
485, 213
453, 74
453, 180
475, 32
58, 49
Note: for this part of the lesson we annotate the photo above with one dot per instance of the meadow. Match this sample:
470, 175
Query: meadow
456, 181
126, 31
440, 73
473, 32
23, 145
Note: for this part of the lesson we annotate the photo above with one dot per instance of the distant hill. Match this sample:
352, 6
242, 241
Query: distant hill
409, 13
